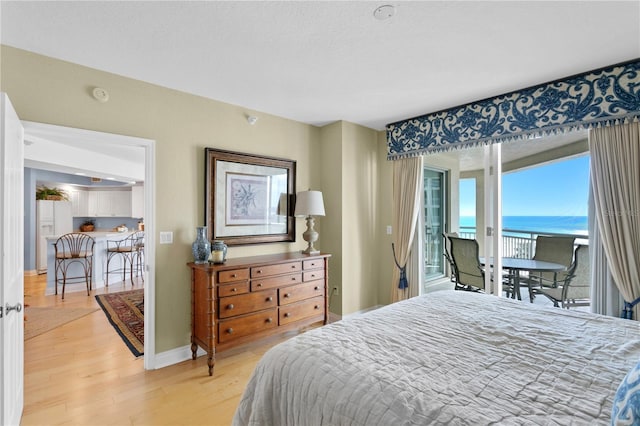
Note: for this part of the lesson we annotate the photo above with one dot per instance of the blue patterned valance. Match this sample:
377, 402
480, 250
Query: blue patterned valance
601, 97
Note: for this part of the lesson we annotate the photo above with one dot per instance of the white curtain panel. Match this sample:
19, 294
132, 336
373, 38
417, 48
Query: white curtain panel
415, 263
407, 175
615, 178
605, 296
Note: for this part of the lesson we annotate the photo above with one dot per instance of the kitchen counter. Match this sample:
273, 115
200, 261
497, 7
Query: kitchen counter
99, 261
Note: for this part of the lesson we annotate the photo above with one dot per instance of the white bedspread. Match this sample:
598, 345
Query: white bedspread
449, 357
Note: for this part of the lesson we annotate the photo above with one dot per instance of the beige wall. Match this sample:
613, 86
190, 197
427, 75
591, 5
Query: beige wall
331, 186
350, 184
343, 160
384, 268
360, 253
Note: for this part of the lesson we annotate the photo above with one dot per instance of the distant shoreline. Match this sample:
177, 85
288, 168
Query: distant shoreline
538, 224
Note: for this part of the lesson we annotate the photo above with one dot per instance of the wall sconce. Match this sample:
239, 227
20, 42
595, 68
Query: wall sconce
252, 119
309, 203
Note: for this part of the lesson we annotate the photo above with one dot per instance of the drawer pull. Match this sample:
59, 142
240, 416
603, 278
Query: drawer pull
269, 320
293, 278
269, 299
229, 330
259, 285
287, 295
230, 306
234, 289
316, 288
233, 275
293, 266
313, 275
287, 315
259, 271
316, 307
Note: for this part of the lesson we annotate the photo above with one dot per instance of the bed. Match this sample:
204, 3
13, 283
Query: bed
449, 357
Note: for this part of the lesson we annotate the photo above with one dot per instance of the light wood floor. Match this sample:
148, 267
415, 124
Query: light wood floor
83, 374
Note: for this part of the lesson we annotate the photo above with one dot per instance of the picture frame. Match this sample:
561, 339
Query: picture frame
249, 198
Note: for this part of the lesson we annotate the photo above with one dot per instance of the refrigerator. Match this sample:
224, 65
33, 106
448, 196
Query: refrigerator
53, 218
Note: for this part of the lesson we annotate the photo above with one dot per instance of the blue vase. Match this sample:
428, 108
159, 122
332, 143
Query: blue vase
201, 247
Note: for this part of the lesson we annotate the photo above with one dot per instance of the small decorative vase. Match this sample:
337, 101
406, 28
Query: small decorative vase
201, 247
218, 251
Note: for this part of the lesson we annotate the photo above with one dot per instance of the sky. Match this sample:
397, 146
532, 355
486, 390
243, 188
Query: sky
557, 189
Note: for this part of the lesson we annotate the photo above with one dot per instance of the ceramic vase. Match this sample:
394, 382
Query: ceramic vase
218, 251
201, 247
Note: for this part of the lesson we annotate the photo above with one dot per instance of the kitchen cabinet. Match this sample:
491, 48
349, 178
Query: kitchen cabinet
137, 201
109, 203
79, 203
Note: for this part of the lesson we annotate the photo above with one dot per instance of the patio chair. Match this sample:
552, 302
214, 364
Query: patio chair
576, 288
468, 270
447, 253
550, 249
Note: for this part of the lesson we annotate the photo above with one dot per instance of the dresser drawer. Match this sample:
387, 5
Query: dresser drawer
233, 275
281, 268
233, 289
313, 264
313, 275
296, 293
233, 328
246, 303
266, 283
301, 310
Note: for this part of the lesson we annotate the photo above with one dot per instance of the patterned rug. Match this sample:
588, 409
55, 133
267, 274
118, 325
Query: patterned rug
125, 311
40, 320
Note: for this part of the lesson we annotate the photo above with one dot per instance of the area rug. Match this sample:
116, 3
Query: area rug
40, 320
125, 311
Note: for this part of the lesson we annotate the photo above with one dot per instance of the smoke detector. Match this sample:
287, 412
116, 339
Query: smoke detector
384, 12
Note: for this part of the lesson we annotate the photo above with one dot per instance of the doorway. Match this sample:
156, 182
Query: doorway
99, 143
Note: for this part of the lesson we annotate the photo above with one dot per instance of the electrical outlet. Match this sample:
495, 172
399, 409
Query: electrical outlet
336, 291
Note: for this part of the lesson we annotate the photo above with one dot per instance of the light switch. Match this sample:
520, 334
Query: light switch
166, 237
389, 230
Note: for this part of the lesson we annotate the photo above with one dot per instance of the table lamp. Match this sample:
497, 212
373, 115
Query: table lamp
309, 203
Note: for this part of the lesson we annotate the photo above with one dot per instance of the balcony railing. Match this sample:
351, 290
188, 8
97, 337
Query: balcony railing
521, 243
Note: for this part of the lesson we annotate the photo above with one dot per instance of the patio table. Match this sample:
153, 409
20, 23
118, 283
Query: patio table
515, 265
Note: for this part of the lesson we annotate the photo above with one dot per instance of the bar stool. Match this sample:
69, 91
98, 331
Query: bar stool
131, 252
74, 249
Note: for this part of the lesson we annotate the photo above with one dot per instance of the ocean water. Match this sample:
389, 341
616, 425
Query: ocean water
544, 224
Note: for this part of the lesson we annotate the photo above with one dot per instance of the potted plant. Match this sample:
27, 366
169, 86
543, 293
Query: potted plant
46, 193
87, 226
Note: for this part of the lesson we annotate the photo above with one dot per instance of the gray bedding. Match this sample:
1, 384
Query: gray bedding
449, 358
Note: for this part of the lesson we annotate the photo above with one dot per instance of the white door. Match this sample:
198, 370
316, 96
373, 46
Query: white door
11, 267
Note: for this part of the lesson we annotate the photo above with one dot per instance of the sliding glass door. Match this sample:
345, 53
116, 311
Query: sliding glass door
434, 214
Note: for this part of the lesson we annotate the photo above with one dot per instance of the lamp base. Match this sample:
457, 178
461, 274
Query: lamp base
310, 236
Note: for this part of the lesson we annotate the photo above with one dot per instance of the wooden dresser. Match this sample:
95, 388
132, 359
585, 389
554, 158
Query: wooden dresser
248, 298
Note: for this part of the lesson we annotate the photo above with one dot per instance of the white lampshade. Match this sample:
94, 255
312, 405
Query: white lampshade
309, 203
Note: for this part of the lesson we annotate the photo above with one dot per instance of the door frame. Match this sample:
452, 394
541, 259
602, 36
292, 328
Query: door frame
149, 146
444, 214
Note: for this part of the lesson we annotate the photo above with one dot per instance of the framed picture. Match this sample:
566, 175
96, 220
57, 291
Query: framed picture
249, 198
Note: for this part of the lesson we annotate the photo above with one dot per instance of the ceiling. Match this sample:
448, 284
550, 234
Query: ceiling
318, 62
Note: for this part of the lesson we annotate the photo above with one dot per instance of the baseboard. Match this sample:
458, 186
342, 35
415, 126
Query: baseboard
354, 314
31, 273
175, 356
